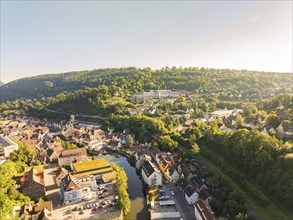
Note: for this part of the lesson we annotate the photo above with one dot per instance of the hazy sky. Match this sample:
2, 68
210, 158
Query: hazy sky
39, 37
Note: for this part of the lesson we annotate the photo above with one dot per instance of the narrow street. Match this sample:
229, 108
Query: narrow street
186, 210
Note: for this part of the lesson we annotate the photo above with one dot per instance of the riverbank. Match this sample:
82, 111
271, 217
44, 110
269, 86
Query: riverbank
137, 196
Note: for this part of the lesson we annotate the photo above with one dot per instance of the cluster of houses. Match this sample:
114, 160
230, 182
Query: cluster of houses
156, 167
74, 185
228, 117
38, 211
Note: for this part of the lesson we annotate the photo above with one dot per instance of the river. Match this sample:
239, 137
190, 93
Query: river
138, 201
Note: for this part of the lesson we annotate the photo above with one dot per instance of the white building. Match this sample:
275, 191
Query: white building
96, 145
172, 174
151, 174
71, 191
191, 195
6, 146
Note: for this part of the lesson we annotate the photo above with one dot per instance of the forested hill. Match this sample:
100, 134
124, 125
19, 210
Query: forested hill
251, 85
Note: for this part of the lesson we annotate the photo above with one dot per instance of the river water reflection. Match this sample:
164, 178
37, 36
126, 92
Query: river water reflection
138, 200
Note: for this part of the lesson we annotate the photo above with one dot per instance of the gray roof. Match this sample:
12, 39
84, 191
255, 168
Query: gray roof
5, 142
189, 191
148, 168
204, 195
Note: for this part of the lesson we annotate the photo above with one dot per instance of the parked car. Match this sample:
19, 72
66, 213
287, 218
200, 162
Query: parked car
81, 212
172, 193
101, 196
75, 209
161, 191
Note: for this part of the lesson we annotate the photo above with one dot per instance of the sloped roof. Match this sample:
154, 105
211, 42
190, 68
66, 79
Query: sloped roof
148, 168
45, 214
33, 175
204, 195
61, 173
44, 205
189, 190
203, 210
69, 183
73, 152
196, 182
113, 143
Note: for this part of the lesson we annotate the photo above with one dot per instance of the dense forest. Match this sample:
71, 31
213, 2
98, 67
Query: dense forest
225, 83
262, 157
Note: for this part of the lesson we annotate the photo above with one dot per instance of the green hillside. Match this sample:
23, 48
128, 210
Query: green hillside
228, 84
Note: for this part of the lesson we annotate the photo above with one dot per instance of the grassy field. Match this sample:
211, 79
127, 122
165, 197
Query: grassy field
270, 210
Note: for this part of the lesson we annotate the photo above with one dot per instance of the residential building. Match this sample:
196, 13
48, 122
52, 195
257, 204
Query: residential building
285, 129
151, 174
198, 184
114, 144
205, 195
191, 195
67, 155
86, 181
6, 146
71, 191
61, 173
52, 152
203, 211
172, 175
95, 145
32, 184
38, 211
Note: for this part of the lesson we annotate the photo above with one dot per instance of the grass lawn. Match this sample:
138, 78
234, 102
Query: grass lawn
272, 210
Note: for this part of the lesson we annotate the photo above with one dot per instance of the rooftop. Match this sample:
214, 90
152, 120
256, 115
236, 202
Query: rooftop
33, 175
73, 152
69, 183
5, 142
91, 165
148, 167
203, 210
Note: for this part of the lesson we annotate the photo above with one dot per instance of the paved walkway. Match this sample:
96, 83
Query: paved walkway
52, 190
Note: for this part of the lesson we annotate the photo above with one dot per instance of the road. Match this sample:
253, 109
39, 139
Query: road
85, 116
186, 210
